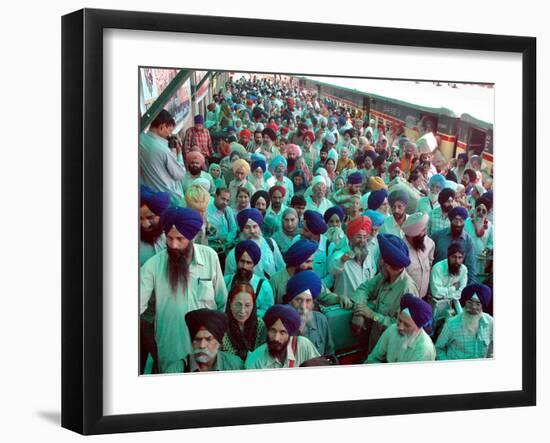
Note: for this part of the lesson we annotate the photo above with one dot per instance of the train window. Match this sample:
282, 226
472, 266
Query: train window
477, 140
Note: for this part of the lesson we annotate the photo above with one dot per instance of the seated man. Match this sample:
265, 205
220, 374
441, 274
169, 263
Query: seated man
469, 334
407, 340
206, 329
284, 349
301, 290
248, 255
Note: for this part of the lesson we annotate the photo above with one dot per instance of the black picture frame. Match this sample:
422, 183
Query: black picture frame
82, 218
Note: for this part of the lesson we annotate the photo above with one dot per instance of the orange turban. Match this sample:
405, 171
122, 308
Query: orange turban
358, 224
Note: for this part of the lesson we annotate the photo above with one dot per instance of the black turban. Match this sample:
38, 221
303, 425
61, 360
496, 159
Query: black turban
214, 322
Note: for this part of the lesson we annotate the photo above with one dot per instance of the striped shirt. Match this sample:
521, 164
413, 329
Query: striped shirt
455, 342
438, 221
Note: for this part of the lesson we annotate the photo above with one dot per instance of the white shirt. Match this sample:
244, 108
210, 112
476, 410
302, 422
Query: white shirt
270, 261
260, 358
442, 286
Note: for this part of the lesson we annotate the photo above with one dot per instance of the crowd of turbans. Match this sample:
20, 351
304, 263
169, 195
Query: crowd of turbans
283, 229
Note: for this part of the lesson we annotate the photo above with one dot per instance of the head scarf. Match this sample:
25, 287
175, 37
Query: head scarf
257, 195
310, 136
334, 210
377, 219
355, 178
415, 224
445, 195
196, 197
258, 164
241, 164
213, 166
302, 282
251, 248
458, 211
437, 179
314, 222
394, 166
276, 161
249, 214
295, 149
376, 183
420, 311
194, 155
157, 202
187, 221
483, 293
329, 138
398, 196
299, 252
270, 133
288, 316
281, 189
245, 135
376, 198
214, 322
199, 119
394, 251
358, 224
202, 182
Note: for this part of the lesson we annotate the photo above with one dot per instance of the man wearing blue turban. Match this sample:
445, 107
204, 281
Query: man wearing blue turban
407, 340
377, 300
344, 197
248, 254
455, 233
277, 167
184, 277
249, 222
284, 348
301, 291
469, 334
398, 201
152, 239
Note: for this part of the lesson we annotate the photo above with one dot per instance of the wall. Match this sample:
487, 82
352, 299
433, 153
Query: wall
30, 394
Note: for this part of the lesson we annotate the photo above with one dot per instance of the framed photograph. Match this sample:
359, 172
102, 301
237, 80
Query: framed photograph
447, 96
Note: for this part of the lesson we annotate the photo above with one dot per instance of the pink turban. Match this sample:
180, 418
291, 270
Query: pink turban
415, 224
194, 155
294, 148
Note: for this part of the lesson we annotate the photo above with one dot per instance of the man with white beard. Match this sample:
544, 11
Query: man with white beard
334, 217
469, 334
358, 262
407, 340
206, 328
249, 221
301, 291
427, 204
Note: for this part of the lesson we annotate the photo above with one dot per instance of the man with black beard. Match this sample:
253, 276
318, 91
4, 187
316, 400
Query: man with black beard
301, 291
469, 334
358, 262
195, 169
248, 254
152, 239
447, 281
456, 234
439, 216
398, 201
284, 348
206, 328
184, 277
421, 250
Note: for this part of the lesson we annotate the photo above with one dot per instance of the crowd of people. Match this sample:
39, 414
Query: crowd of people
277, 204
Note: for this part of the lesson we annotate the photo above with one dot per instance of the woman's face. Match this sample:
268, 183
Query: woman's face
241, 307
334, 221
258, 172
261, 205
298, 180
243, 200
215, 172
339, 183
330, 165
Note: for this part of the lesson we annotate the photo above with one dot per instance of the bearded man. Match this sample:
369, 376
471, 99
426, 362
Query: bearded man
398, 201
439, 216
343, 197
358, 262
421, 250
284, 349
480, 230
469, 334
249, 221
184, 277
427, 204
195, 169
206, 328
151, 237
317, 201
407, 340
301, 291
248, 255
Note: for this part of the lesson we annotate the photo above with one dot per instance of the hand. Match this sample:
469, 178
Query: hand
357, 325
345, 258
363, 310
345, 301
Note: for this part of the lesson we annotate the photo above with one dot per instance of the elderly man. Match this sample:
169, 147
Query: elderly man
407, 340
206, 328
284, 348
469, 334
249, 221
377, 300
301, 291
195, 169
447, 281
378, 201
428, 203
439, 216
151, 237
456, 234
343, 197
314, 230
184, 277
317, 201
398, 201
284, 236
248, 255
421, 250
221, 221
198, 136
277, 166
160, 167
357, 263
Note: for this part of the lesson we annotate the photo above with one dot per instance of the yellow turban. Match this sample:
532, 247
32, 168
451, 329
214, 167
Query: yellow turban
197, 198
376, 183
241, 164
